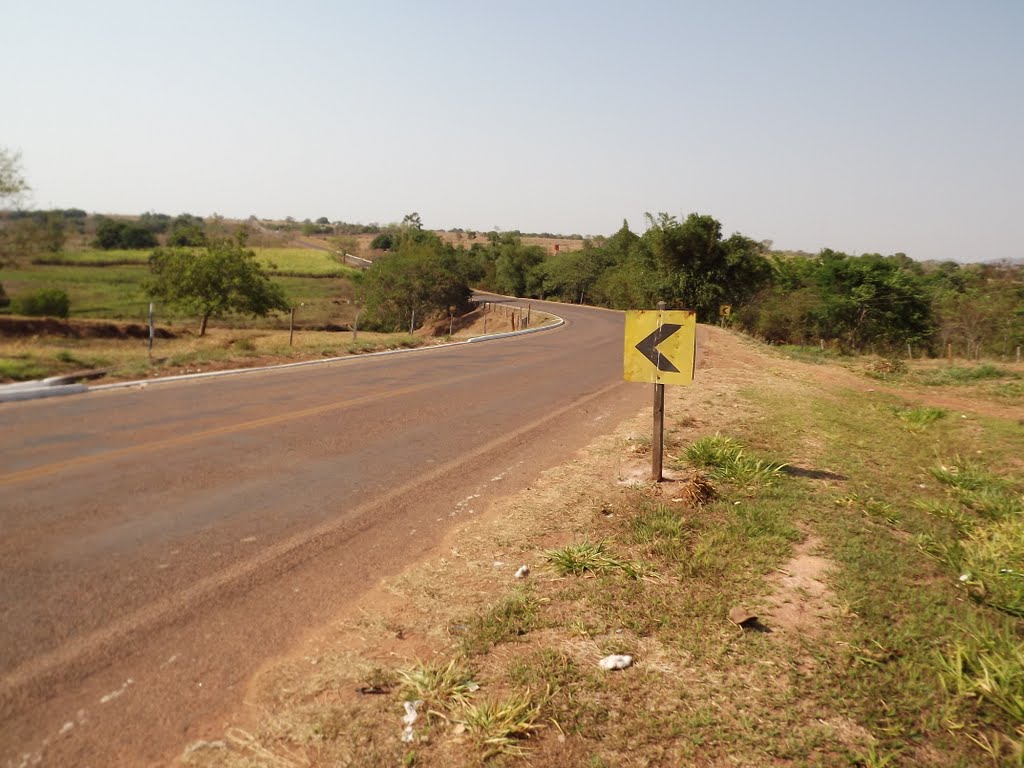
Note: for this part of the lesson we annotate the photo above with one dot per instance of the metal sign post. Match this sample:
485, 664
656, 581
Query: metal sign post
660, 349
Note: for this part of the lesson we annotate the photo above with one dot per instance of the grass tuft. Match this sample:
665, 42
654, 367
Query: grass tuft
440, 686
727, 460
588, 557
500, 727
918, 418
989, 669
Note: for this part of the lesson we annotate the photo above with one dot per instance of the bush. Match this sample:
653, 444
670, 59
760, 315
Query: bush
4, 299
382, 242
49, 302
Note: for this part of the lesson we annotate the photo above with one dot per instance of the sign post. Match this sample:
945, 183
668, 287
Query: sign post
152, 330
660, 349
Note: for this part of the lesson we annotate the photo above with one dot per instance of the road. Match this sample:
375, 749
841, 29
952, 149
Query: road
159, 544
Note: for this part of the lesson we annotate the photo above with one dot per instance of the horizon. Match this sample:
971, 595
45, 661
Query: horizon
886, 128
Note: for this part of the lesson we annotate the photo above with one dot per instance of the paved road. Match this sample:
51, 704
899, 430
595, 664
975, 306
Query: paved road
160, 543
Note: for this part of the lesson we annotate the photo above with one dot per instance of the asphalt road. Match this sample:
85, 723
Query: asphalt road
159, 544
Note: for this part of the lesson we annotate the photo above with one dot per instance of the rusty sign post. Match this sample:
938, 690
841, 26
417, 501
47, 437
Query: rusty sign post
660, 349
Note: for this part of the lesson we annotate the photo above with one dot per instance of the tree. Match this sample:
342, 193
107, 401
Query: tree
187, 231
13, 186
223, 278
385, 241
122, 234
424, 274
412, 221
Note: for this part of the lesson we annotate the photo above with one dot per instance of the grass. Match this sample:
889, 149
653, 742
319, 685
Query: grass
920, 417
22, 359
509, 619
115, 290
805, 354
989, 670
958, 374
727, 460
21, 368
500, 726
440, 686
588, 557
306, 262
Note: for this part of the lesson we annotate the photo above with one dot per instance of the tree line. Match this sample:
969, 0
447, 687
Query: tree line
853, 303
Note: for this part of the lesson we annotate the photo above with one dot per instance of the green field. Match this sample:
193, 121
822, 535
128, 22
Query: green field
291, 261
116, 291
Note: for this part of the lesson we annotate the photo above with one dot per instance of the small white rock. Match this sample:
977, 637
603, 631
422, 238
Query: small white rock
523, 572
616, 661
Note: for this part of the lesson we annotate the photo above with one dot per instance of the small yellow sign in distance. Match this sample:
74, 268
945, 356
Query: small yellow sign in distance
724, 310
660, 346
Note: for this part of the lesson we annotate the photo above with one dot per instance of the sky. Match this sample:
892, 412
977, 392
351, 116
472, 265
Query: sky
883, 127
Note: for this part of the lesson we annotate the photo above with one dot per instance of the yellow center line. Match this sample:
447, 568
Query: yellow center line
172, 442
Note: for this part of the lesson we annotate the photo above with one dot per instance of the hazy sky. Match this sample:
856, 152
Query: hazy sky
867, 126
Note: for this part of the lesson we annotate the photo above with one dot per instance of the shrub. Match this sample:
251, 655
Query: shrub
49, 302
382, 242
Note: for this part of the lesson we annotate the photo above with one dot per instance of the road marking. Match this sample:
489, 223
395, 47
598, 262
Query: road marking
42, 470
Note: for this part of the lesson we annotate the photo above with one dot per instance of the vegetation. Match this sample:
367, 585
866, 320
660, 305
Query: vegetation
224, 277
111, 233
48, 302
423, 277
13, 186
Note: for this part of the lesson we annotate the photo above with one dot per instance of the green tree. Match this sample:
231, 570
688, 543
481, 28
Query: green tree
424, 275
13, 186
111, 233
222, 278
412, 221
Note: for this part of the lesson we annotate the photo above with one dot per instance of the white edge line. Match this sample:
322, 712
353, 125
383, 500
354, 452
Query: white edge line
343, 359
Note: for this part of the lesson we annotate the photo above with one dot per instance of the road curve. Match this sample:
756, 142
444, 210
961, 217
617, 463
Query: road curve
159, 544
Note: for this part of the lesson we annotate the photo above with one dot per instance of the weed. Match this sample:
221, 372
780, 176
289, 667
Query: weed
728, 461
991, 561
587, 557
500, 727
964, 475
987, 668
440, 686
920, 417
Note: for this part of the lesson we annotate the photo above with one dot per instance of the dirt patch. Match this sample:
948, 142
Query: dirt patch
802, 603
22, 327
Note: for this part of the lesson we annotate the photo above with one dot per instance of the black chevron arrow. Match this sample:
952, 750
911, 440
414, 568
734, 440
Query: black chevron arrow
649, 347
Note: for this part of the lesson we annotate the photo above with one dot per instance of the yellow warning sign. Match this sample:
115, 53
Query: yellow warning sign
660, 346
724, 310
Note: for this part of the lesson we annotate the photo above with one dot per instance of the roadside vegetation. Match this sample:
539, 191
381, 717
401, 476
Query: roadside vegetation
831, 577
